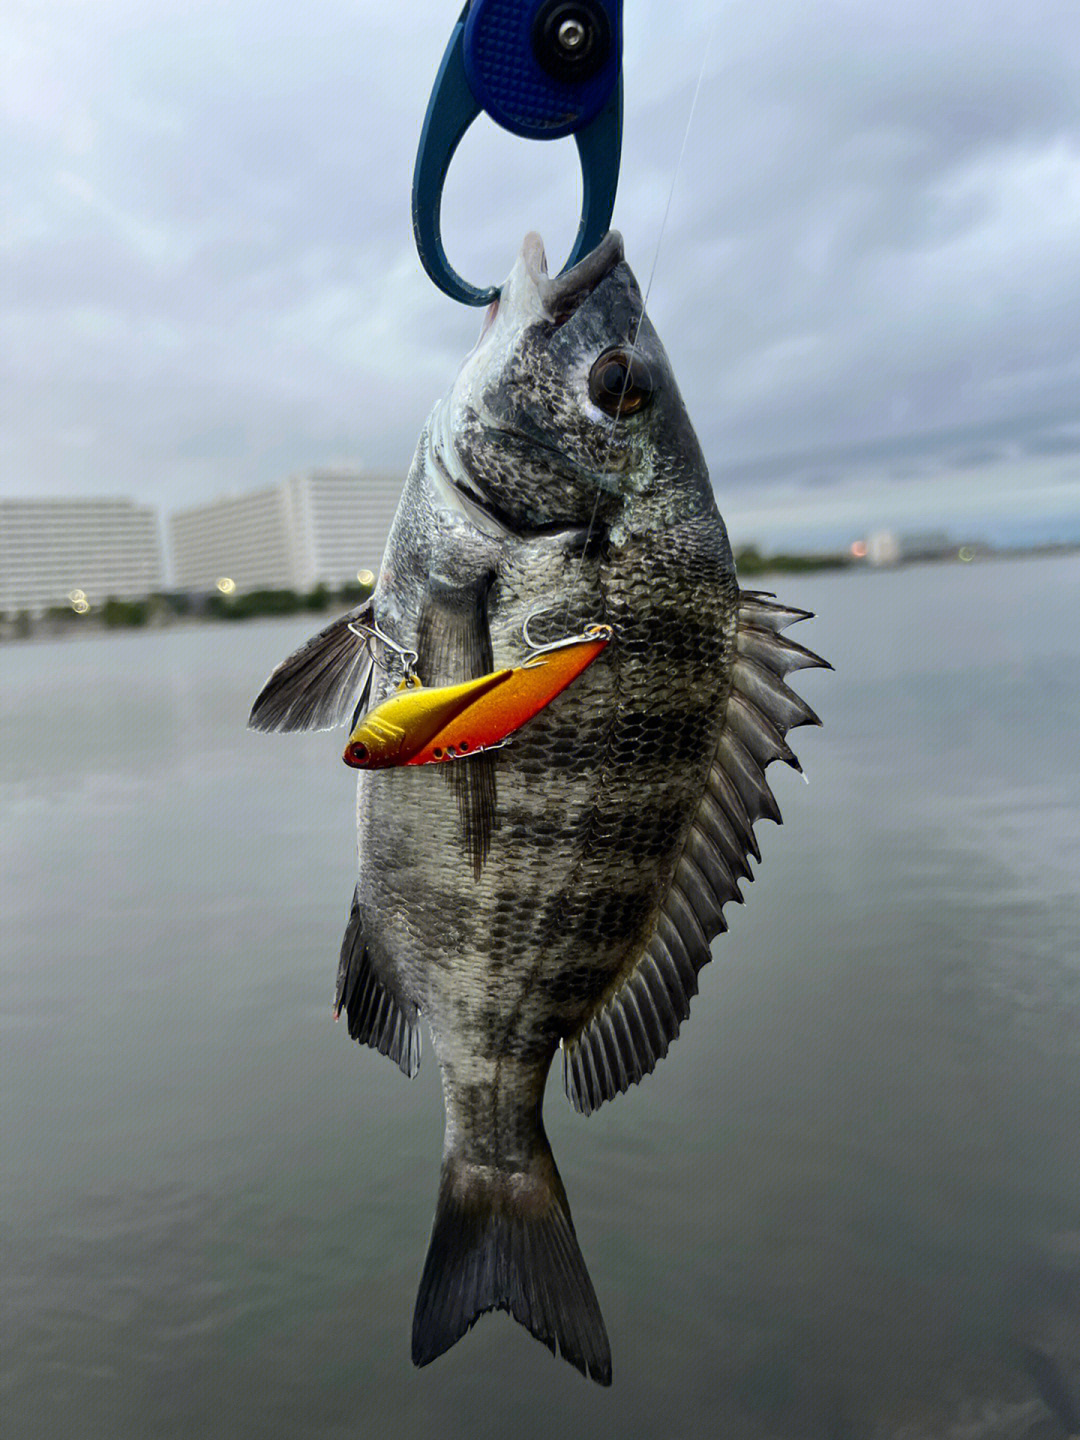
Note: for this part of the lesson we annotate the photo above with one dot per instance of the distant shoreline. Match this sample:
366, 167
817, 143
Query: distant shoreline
160, 613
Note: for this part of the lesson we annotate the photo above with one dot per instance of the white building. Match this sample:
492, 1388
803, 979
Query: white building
50, 549
320, 527
883, 548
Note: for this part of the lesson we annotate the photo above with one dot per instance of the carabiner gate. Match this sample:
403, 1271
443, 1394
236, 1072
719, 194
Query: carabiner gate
541, 69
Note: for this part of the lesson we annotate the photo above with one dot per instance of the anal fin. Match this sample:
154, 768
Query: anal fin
375, 1017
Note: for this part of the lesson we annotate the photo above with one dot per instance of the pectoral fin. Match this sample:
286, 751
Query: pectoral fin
318, 685
454, 645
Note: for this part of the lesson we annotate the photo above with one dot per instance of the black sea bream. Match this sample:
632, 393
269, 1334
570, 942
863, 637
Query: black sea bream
561, 890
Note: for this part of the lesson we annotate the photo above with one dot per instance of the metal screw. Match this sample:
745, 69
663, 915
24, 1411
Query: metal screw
571, 34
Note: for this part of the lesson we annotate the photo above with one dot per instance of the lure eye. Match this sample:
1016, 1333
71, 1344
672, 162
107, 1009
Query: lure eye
620, 383
358, 752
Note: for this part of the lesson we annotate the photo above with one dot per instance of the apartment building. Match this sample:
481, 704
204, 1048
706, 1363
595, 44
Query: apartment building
52, 549
319, 527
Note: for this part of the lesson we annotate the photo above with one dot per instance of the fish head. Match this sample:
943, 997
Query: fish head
567, 404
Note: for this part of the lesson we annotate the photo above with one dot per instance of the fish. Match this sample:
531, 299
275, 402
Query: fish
560, 892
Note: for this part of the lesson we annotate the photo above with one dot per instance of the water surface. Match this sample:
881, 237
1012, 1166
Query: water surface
840, 1208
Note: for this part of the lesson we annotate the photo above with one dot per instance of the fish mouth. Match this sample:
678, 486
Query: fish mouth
563, 294
558, 296
529, 297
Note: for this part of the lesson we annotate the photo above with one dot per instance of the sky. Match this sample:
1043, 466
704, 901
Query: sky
868, 282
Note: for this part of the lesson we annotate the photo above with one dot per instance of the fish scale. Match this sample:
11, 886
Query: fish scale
562, 890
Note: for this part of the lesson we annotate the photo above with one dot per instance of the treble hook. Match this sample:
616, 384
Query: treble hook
541, 69
370, 632
591, 632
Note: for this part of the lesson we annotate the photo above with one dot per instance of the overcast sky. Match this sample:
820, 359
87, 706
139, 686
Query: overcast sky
869, 283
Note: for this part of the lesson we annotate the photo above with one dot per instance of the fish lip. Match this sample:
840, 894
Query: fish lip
489, 319
562, 294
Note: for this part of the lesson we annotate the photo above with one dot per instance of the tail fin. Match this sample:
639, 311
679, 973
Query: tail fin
504, 1240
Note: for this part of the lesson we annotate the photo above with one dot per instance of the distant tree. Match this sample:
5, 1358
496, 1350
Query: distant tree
353, 592
121, 614
748, 560
271, 602
167, 603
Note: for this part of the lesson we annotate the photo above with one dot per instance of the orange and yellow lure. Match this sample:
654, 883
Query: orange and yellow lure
425, 725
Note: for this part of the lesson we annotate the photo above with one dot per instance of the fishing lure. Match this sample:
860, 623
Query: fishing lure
425, 725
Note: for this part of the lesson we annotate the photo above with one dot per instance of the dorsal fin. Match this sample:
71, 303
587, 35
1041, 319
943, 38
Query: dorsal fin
318, 686
636, 1022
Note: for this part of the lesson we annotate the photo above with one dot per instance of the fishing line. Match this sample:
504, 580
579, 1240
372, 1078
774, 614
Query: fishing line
645, 300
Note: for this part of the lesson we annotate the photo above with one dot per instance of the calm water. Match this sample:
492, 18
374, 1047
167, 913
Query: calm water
838, 1209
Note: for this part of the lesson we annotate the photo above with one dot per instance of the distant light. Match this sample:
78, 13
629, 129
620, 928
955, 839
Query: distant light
365, 577
81, 607
226, 586
76, 595
858, 549
965, 553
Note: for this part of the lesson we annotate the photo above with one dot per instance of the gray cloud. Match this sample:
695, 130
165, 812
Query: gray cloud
209, 276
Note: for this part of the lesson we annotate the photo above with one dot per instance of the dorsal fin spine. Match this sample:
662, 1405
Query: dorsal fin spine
700, 896
748, 778
724, 792
713, 863
777, 652
758, 733
768, 692
688, 926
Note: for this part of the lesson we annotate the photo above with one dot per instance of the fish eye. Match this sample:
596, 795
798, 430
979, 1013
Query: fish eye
358, 751
620, 383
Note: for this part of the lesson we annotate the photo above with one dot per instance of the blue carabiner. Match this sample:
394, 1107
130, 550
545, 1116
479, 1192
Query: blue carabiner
541, 69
